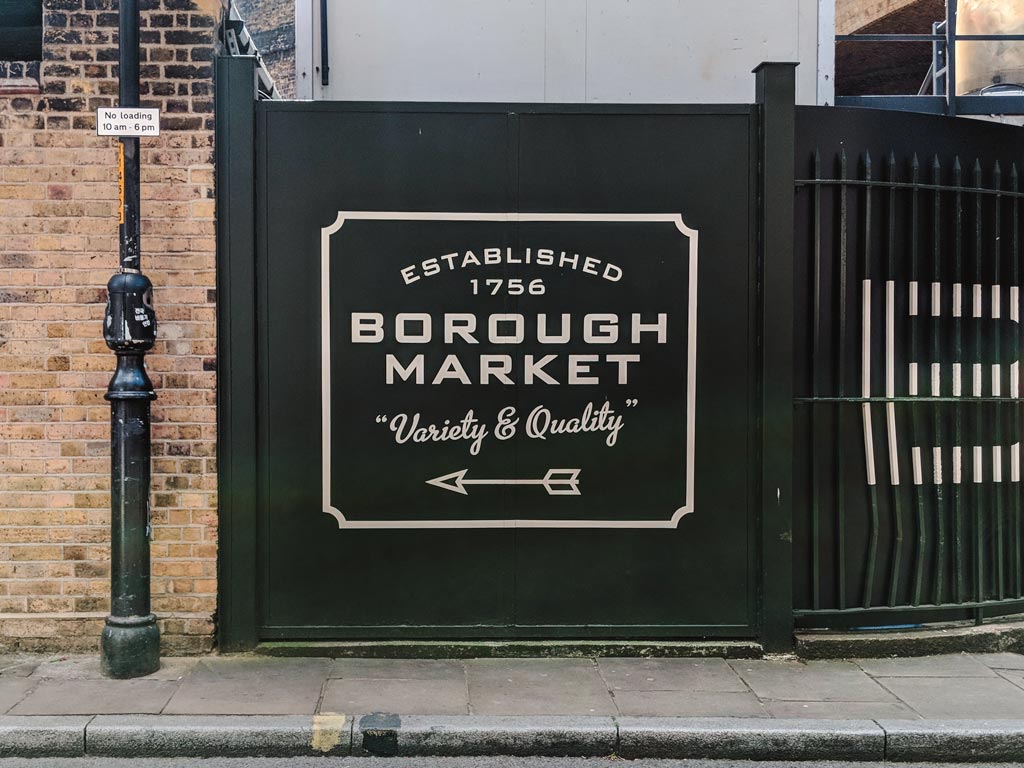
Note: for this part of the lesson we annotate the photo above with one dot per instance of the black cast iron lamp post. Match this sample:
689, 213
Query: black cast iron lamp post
130, 643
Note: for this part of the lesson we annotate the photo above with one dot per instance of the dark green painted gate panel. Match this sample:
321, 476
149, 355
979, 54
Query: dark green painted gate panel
318, 580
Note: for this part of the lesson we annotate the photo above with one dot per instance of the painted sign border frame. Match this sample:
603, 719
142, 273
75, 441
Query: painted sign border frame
325, 363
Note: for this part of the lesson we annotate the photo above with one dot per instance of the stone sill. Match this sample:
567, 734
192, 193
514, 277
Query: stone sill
20, 86
20, 77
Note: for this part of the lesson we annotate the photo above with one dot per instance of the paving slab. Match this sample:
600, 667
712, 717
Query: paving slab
217, 736
970, 698
813, 681
537, 687
398, 669
688, 704
95, 697
13, 690
42, 736
954, 740
1000, 660
670, 675
1015, 676
18, 665
88, 668
390, 735
406, 697
749, 739
250, 686
949, 665
840, 710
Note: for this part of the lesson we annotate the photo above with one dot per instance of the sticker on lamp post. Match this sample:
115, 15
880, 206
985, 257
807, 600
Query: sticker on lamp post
127, 121
508, 370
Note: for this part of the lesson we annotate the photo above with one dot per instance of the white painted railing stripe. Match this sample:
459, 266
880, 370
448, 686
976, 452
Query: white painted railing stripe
915, 462
865, 381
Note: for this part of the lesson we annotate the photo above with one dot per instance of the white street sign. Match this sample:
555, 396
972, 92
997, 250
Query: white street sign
127, 121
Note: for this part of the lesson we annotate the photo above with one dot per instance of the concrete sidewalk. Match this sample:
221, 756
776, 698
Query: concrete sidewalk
955, 707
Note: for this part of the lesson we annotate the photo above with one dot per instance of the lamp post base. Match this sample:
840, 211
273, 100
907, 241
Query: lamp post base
130, 646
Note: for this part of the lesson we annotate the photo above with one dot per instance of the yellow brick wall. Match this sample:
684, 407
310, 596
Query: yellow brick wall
58, 248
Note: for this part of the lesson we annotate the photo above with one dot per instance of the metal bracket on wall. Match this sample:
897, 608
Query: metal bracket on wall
325, 61
239, 42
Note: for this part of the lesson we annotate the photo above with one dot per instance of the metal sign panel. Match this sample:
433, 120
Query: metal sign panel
455, 217
127, 121
488, 370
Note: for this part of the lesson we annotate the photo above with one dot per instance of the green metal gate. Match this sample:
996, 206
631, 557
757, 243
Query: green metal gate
908, 383
854, 454
342, 232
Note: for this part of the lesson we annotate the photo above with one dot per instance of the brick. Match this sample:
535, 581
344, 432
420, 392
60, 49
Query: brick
56, 35
64, 105
182, 37
187, 72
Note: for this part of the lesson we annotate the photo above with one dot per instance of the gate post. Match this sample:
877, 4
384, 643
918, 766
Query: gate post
235, 147
776, 99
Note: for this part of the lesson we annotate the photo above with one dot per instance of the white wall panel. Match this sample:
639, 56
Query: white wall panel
562, 50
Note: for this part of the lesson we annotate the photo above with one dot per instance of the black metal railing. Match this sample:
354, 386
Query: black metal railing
910, 401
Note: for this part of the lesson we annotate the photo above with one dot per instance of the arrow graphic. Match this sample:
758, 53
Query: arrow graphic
557, 482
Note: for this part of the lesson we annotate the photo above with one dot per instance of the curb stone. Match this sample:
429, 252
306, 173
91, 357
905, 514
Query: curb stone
469, 735
213, 736
954, 741
542, 736
511, 649
42, 736
750, 739
987, 638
